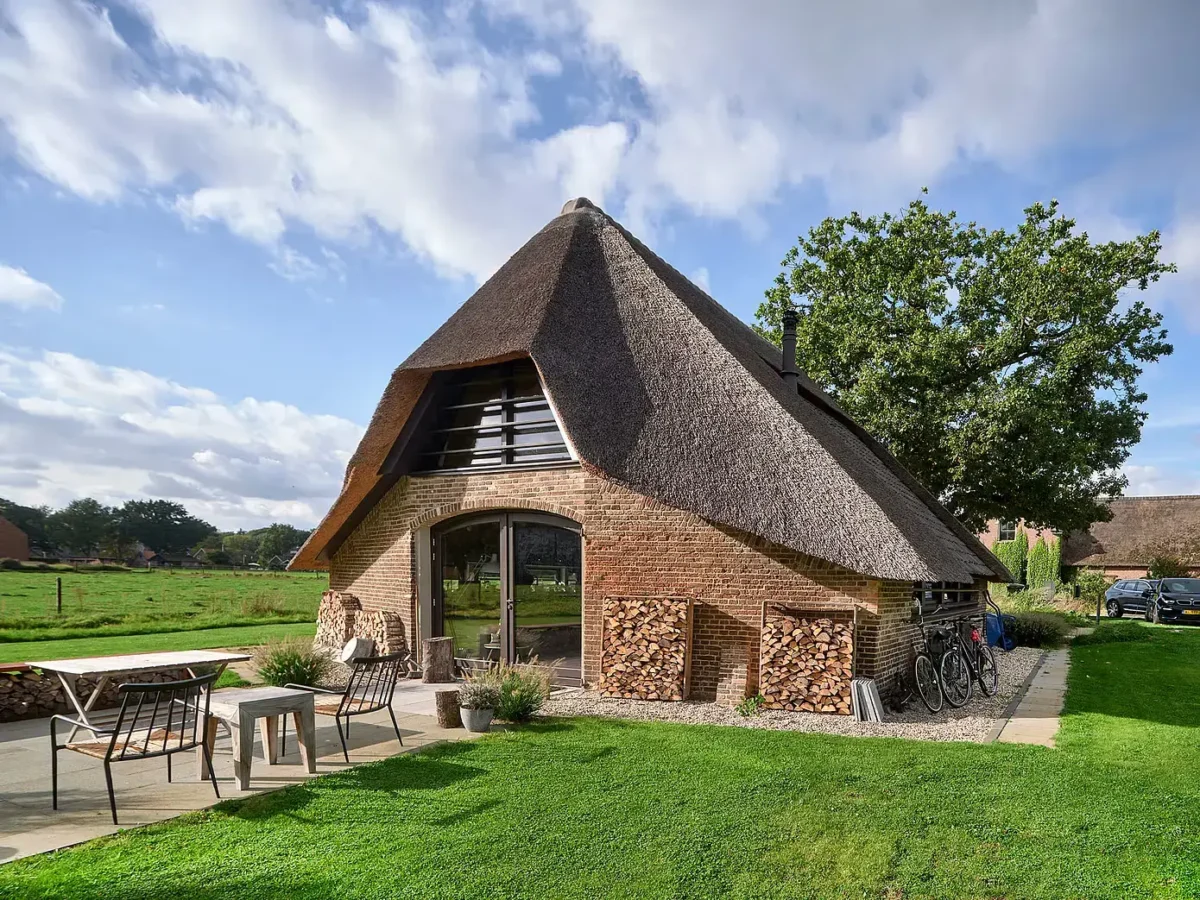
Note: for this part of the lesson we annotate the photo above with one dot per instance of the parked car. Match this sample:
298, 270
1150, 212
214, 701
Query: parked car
1129, 596
1175, 600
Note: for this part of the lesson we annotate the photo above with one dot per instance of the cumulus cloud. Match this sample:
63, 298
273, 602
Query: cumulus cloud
72, 427
266, 115
426, 127
18, 288
1154, 481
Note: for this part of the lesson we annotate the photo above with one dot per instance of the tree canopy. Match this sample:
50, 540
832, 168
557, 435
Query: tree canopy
87, 527
1000, 367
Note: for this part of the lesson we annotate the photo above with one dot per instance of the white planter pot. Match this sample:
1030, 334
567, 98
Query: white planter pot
477, 720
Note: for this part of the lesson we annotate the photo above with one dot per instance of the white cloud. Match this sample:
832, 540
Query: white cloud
417, 125
18, 288
1152, 481
700, 279
70, 427
391, 122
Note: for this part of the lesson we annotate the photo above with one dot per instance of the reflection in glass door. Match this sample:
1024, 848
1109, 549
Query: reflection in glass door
547, 592
469, 562
511, 589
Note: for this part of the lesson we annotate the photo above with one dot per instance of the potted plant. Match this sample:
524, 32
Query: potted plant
478, 703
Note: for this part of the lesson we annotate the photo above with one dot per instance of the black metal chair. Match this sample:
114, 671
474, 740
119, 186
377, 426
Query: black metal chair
159, 719
370, 688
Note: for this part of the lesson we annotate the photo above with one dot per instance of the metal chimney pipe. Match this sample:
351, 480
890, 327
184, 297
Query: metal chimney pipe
790, 376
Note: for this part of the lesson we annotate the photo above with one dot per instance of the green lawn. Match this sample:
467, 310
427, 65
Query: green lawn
591, 809
241, 636
150, 600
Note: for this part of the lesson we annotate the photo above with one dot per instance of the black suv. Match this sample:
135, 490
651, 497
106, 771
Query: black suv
1175, 600
1129, 596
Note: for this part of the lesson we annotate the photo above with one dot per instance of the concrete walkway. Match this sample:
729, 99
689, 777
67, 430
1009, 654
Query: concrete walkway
1035, 720
28, 825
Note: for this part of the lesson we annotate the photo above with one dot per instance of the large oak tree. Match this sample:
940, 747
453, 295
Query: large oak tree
1000, 367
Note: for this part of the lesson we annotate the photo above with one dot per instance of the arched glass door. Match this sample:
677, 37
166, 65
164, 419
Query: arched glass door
509, 587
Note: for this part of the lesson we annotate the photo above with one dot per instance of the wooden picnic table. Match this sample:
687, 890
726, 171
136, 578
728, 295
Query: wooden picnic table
105, 668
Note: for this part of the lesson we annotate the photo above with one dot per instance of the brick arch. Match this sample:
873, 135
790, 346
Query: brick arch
492, 504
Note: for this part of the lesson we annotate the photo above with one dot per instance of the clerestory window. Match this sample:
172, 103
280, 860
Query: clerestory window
491, 417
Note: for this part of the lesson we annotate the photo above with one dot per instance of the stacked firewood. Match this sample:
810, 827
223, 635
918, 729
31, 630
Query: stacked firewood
805, 663
335, 620
386, 629
645, 648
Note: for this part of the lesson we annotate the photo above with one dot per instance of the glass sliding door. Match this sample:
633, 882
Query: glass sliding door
509, 587
547, 592
468, 561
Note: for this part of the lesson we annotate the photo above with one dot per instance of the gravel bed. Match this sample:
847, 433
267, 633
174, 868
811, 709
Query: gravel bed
972, 722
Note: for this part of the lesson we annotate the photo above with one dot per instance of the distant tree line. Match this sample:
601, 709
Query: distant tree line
265, 546
86, 527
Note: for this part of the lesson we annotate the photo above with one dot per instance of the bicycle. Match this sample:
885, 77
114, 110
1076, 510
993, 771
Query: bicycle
982, 661
968, 659
925, 675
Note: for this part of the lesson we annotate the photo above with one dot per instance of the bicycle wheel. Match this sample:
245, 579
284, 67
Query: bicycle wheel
927, 683
988, 671
956, 676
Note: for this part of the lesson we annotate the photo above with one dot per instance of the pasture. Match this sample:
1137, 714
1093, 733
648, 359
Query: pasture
133, 601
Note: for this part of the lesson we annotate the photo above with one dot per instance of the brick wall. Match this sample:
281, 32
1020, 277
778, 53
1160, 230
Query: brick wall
13, 543
632, 546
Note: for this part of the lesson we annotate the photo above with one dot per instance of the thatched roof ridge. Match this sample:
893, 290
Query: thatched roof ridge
1140, 528
706, 422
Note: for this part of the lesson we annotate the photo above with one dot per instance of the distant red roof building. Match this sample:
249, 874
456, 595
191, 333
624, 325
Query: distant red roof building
13, 542
1141, 528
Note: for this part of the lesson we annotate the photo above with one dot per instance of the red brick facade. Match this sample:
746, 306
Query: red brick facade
633, 546
13, 542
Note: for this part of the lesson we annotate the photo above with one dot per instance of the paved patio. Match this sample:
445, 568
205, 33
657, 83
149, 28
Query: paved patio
28, 825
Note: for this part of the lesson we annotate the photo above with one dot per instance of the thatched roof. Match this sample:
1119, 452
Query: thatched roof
661, 389
1140, 528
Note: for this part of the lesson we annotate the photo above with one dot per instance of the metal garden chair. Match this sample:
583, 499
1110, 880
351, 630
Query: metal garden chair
155, 720
370, 688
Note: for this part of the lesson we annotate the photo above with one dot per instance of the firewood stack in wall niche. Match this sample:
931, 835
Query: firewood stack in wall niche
645, 653
806, 661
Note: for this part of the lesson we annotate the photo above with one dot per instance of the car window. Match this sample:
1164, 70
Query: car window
1182, 586
1141, 585
1120, 585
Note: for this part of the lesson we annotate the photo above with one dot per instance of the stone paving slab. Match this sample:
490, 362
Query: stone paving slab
28, 825
1036, 718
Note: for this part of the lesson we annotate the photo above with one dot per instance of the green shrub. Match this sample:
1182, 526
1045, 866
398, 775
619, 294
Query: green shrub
478, 695
1092, 585
1114, 633
1165, 565
1037, 629
1042, 566
524, 688
7, 563
291, 661
1012, 554
751, 706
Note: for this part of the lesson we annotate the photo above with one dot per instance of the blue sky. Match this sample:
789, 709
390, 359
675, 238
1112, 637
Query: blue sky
223, 225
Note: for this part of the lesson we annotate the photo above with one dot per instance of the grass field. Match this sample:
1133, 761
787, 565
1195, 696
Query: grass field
593, 808
239, 636
151, 601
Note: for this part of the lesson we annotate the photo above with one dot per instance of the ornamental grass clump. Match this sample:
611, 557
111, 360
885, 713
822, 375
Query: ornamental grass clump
291, 661
524, 688
478, 695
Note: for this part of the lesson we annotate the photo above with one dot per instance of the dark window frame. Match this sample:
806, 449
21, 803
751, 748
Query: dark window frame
955, 598
1008, 527
515, 398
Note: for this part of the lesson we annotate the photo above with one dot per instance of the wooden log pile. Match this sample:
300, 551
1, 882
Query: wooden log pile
386, 629
645, 650
335, 620
805, 662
